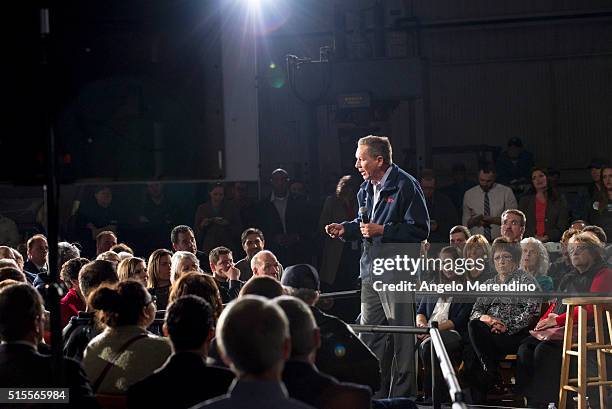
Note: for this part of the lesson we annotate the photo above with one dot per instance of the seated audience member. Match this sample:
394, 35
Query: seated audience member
21, 366
190, 325
202, 285
477, 248
37, 250
125, 352
183, 239
8, 253
122, 248
498, 323
303, 380
264, 286
105, 241
82, 328
182, 262
451, 314
458, 236
353, 361
226, 275
562, 265
12, 273
158, 271
265, 263
73, 301
539, 362
133, 268
253, 241
254, 340
513, 225
546, 210
217, 221
109, 256
535, 261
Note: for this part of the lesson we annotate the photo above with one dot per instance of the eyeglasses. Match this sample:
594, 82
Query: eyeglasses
512, 223
576, 249
501, 257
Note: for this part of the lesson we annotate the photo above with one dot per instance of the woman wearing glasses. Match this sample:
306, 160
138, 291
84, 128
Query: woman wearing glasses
499, 323
539, 362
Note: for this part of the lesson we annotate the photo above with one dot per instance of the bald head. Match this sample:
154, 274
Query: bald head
265, 263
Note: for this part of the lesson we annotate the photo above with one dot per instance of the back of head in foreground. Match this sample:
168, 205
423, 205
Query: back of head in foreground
253, 336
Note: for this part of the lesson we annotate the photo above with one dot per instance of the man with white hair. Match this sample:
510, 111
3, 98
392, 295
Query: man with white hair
254, 340
265, 263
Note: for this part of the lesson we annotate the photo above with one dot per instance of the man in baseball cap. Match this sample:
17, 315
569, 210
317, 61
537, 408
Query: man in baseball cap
342, 354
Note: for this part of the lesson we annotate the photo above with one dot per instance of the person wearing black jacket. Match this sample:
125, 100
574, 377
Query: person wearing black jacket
21, 365
185, 379
342, 354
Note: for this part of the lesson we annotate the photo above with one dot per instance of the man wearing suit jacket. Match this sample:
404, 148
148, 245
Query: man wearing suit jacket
21, 366
185, 379
38, 249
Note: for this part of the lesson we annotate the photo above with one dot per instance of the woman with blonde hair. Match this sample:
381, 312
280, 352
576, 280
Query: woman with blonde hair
133, 268
182, 262
477, 248
158, 270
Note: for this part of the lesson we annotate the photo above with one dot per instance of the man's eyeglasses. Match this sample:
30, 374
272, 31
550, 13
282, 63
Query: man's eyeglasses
512, 223
501, 257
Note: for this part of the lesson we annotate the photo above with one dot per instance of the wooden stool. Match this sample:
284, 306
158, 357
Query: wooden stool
580, 384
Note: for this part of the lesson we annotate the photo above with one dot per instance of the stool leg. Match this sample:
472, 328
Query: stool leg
601, 355
582, 357
567, 345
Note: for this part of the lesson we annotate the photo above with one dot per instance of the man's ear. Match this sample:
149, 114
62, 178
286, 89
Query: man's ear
316, 333
212, 267
165, 330
286, 348
211, 335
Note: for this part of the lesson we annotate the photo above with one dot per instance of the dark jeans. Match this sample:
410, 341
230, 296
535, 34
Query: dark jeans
454, 346
392, 308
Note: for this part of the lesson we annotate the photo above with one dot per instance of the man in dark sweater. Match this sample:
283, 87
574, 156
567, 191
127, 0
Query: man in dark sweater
185, 379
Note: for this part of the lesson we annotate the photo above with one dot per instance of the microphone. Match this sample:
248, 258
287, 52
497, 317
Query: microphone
363, 215
364, 218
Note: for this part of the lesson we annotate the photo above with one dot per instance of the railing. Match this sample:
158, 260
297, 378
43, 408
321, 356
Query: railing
446, 366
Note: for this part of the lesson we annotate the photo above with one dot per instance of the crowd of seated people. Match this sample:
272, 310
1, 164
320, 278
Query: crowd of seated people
110, 303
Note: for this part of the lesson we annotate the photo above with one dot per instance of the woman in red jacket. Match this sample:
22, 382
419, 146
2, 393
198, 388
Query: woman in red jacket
539, 362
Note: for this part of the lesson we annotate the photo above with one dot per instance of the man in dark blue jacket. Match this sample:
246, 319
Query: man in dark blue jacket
396, 212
